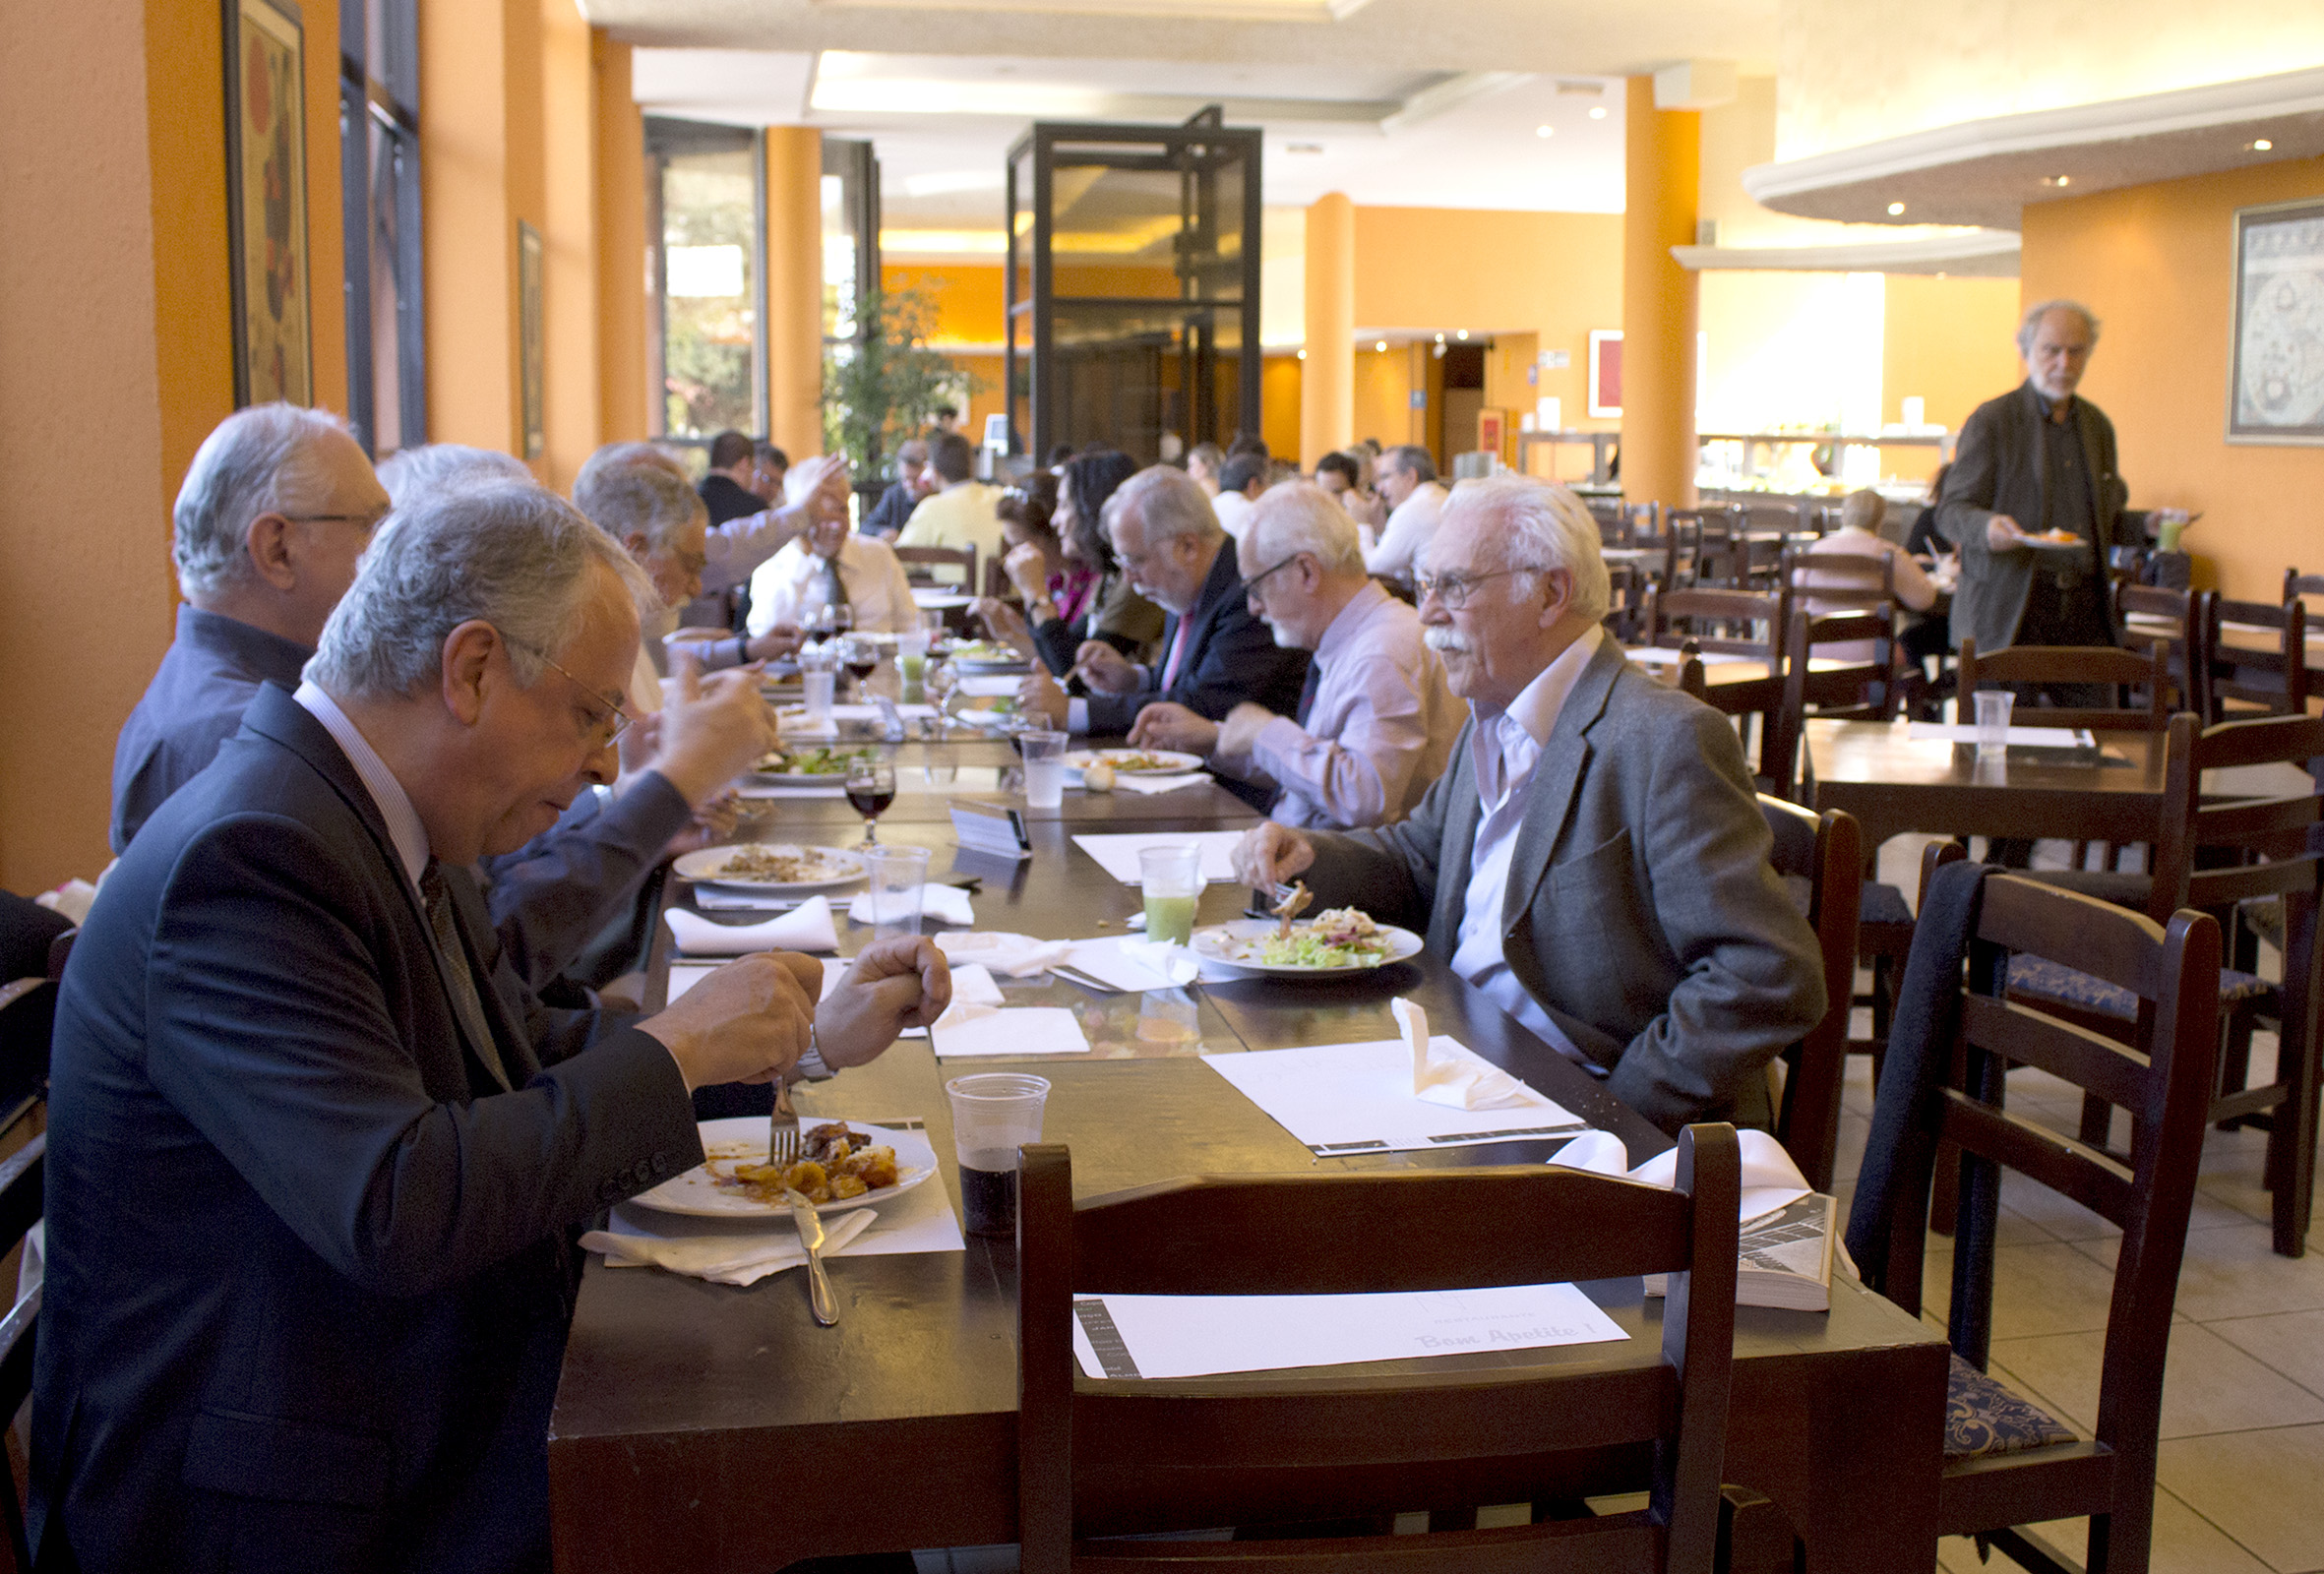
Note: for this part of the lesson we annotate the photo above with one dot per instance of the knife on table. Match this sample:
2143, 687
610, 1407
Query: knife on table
811, 1235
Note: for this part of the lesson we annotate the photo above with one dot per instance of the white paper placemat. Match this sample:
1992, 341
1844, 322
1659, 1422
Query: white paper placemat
967, 1030
1196, 1336
1932, 732
1116, 854
1357, 1098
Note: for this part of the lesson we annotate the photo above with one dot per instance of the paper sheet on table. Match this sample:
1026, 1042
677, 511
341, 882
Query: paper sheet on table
1132, 965
986, 686
948, 903
1116, 854
1458, 1081
1664, 656
1196, 1336
1149, 785
1018, 956
1357, 1098
806, 928
990, 1030
1770, 1179
1932, 732
921, 1220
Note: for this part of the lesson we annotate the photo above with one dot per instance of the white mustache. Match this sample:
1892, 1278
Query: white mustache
1442, 640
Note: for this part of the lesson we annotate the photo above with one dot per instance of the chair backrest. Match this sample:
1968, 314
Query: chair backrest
1113, 1456
2276, 842
918, 561
20, 1178
1827, 851
2165, 1081
27, 1024
2187, 614
2273, 678
1838, 580
2090, 665
1676, 616
1865, 690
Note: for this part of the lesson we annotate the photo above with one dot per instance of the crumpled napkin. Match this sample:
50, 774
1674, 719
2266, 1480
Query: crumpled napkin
946, 902
1017, 955
1770, 1179
1166, 957
1159, 784
735, 1259
972, 984
968, 1028
806, 928
1447, 1075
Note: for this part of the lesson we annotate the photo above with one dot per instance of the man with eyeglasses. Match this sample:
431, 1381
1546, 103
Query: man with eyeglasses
315, 1155
1595, 859
1374, 725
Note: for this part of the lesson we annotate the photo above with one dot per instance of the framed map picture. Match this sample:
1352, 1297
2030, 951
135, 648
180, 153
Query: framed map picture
267, 201
2275, 364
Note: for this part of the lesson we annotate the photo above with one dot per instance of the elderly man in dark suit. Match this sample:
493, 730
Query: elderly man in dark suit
1215, 653
315, 1153
2035, 460
1595, 859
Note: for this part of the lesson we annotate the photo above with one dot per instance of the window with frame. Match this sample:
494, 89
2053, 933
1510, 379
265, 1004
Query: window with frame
379, 167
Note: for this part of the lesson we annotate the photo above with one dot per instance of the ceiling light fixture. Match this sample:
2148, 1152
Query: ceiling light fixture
1303, 356
2262, 146
1381, 347
1439, 338
1895, 209
1462, 335
1596, 111
1545, 131
1307, 149
2057, 180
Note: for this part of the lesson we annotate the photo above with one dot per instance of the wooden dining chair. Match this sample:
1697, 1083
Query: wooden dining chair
27, 1024
2009, 1464
921, 562
2188, 646
1840, 580
2215, 855
1868, 689
2244, 679
1108, 1457
21, 1180
2142, 682
1826, 852
1742, 623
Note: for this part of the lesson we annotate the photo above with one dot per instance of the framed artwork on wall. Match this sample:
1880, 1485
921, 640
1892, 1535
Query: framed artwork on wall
2275, 370
528, 331
267, 201
1606, 372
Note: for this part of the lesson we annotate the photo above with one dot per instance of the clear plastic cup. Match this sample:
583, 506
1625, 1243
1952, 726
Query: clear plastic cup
994, 1113
1045, 768
1992, 722
1170, 881
898, 874
819, 676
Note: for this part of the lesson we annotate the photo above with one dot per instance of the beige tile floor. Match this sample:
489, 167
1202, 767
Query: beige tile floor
2240, 1481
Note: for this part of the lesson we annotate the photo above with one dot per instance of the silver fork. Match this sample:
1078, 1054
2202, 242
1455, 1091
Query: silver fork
782, 1128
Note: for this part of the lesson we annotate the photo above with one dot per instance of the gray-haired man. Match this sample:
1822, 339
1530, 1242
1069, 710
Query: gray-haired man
314, 1152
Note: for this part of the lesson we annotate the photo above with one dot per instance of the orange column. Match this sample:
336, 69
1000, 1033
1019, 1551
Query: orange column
620, 161
1327, 378
795, 290
1658, 301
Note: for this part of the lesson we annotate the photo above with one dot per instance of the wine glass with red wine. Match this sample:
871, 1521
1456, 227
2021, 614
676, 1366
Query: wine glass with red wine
861, 658
871, 788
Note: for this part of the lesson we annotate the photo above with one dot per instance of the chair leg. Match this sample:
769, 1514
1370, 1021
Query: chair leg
2292, 1154
2234, 1062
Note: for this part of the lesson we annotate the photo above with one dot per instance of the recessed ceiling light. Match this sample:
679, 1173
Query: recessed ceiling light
1596, 111
2057, 180
2262, 146
1381, 347
1439, 338
1303, 356
1545, 131
1895, 209
1462, 335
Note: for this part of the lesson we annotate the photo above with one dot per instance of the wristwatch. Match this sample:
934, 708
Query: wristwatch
809, 1066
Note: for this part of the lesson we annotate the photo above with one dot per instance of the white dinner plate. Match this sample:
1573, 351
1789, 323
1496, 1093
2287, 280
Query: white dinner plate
709, 863
1168, 762
1217, 942
743, 1140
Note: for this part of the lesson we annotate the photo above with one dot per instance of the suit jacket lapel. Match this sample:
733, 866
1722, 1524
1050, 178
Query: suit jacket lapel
1458, 845
1555, 779
509, 1037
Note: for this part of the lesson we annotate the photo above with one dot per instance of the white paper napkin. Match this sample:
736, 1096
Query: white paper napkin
1017, 955
1770, 1179
1159, 784
968, 1029
948, 903
806, 928
972, 984
1442, 1072
1166, 957
738, 1260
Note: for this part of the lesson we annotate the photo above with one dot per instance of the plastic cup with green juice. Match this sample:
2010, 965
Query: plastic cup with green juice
1171, 878
911, 660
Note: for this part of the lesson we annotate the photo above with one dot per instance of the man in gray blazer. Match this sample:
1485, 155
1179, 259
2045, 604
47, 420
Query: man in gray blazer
1594, 861
2035, 459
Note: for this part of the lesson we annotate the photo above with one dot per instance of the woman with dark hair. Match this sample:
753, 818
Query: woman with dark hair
1084, 594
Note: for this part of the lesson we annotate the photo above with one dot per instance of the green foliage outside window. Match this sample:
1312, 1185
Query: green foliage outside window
880, 391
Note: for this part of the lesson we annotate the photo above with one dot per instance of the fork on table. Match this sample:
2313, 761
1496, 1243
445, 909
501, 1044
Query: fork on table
782, 1128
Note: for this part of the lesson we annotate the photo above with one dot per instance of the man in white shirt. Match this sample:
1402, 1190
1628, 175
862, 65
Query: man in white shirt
1375, 723
831, 565
1406, 480
1241, 480
964, 514
1595, 859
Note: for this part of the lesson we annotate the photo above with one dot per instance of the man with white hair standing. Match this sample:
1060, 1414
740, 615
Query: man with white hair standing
2036, 462
315, 1153
1376, 722
1595, 859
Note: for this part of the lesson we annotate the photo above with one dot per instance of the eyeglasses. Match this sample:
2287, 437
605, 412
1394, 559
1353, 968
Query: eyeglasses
1452, 590
605, 730
1252, 585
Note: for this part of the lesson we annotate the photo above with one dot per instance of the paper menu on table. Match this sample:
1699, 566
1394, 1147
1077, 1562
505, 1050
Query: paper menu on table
1196, 1336
1931, 732
1118, 854
1357, 1098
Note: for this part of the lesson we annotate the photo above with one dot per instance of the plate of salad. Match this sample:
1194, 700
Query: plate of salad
1336, 942
819, 763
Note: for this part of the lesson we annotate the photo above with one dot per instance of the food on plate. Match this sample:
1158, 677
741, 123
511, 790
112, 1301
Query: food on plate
838, 1163
1097, 776
983, 650
1137, 763
2054, 538
819, 761
781, 864
1339, 936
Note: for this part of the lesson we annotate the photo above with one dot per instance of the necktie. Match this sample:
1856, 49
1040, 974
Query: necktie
1307, 693
1178, 649
834, 587
459, 975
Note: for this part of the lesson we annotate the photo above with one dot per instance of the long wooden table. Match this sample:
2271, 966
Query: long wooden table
717, 1430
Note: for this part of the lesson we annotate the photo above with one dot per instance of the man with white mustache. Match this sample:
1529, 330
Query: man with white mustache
1595, 861
1375, 723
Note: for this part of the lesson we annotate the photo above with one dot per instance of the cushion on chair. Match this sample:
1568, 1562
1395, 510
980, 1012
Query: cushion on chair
1882, 903
2038, 979
1984, 1418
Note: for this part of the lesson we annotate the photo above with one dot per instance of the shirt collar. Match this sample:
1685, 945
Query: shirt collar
2049, 406
1538, 704
405, 829
1349, 619
270, 654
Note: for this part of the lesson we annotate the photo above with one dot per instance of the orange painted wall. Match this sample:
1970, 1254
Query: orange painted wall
2154, 262
967, 296
620, 161
1278, 405
469, 229
1384, 389
1949, 340
326, 235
